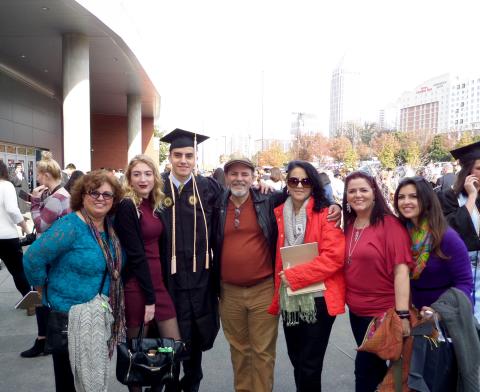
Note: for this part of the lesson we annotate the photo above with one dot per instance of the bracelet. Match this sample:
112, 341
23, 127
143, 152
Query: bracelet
399, 312
404, 316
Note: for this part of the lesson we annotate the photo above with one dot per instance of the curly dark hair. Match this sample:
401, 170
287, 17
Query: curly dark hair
380, 207
430, 209
318, 193
90, 182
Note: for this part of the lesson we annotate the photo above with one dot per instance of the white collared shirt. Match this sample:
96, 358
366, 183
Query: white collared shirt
177, 182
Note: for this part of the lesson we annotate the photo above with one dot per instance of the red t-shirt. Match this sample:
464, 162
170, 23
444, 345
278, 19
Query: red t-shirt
370, 274
246, 258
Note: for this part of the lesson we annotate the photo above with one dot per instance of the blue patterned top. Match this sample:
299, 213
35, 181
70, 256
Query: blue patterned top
76, 263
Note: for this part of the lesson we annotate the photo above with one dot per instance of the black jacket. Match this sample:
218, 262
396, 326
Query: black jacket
459, 219
129, 232
193, 293
264, 205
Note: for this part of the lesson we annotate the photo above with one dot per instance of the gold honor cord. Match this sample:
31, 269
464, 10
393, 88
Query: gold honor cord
196, 195
173, 268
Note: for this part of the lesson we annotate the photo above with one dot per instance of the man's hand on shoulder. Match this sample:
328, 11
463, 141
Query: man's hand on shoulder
264, 188
335, 214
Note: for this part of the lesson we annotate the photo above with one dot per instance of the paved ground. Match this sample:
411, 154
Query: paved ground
17, 332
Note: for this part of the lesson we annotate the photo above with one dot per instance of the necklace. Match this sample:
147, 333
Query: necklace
357, 234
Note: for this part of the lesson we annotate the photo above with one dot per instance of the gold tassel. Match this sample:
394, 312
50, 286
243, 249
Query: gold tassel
174, 265
194, 263
207, 262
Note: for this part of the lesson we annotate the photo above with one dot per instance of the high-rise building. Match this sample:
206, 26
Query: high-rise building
427, 107
345, 96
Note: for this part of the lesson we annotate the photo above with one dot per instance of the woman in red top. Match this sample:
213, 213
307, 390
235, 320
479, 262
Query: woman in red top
308, 318
378, 259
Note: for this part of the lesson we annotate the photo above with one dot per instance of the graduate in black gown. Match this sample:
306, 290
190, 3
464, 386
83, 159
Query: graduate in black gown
461, 206
186, 253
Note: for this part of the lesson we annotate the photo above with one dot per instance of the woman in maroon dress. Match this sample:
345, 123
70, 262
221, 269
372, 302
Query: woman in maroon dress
139, 229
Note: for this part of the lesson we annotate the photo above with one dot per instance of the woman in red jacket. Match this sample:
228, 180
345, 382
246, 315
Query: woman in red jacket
308, 318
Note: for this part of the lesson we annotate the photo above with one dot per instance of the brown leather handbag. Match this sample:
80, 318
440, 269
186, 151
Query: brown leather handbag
384, 336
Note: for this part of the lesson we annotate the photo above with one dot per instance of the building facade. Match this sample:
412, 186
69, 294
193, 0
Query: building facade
71, 85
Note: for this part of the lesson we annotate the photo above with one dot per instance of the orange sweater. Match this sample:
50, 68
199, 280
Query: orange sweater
326, 267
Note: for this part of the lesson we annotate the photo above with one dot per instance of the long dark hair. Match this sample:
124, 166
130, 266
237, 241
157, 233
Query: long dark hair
318, 193
430, 209
3, 171
380, 208
466, 169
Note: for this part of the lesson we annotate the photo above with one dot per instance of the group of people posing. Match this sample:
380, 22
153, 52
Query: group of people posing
179, 253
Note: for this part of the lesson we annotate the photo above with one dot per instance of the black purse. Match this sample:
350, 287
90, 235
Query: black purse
57, 326
57, 332
433, 365
147, 361
28, 239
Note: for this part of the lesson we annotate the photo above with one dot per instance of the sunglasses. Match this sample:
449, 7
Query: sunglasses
294, 181
96, 195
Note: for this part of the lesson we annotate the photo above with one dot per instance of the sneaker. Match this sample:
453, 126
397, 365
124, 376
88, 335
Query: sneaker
37, 349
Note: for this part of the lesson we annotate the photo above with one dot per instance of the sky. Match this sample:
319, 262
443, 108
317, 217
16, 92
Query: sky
210, 60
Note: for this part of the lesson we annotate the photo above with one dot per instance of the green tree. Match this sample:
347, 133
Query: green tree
386, 146
437, 151
351, 158
465, 139
163, 147
413, 156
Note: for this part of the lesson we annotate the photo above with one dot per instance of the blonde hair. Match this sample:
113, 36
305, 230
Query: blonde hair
49, 165
156, 195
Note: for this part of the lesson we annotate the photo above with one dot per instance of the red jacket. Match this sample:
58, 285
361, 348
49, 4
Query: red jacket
326, 267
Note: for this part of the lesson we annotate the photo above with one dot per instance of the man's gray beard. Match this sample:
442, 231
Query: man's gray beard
239, 193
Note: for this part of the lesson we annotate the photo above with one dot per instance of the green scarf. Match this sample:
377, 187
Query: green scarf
295, 307
421, 246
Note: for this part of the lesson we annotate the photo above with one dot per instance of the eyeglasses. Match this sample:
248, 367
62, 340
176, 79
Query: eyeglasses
236, 221
294, 181
96, 195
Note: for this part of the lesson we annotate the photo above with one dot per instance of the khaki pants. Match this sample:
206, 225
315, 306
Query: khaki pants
252, 334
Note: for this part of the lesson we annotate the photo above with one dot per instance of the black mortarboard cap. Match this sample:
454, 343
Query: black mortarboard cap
179, 138
467, 153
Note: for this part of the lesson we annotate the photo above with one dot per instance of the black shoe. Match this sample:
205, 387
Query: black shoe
37, 349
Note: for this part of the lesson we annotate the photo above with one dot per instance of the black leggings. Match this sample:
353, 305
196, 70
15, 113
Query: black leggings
306, 345
12, 255
369, 369
63, 373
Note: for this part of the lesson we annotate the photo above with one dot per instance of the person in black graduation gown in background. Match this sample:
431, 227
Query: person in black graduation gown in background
186, 252
461, 206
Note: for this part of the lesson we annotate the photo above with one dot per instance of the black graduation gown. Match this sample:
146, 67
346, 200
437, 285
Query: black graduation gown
193, 293
459, 219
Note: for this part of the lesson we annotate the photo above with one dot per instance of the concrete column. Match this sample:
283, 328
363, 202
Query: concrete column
76, 101
134, 111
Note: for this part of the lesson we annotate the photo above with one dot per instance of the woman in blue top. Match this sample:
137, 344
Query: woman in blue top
74, 254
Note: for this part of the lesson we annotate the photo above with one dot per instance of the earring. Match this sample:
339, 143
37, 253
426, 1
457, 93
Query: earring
349, 209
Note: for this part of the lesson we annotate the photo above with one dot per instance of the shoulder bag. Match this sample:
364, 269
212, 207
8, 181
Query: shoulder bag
57, 326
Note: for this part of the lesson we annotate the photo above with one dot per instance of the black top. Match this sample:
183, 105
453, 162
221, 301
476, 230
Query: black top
459, 219
129, 232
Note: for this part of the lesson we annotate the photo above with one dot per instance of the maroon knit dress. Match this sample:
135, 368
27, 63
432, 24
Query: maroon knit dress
152, 228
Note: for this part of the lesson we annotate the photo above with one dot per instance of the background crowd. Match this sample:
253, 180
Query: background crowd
172, 254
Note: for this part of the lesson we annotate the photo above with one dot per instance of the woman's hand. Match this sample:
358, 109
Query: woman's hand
284, 278
406, 327
37, 192
427, 313
471, 185
149, 313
